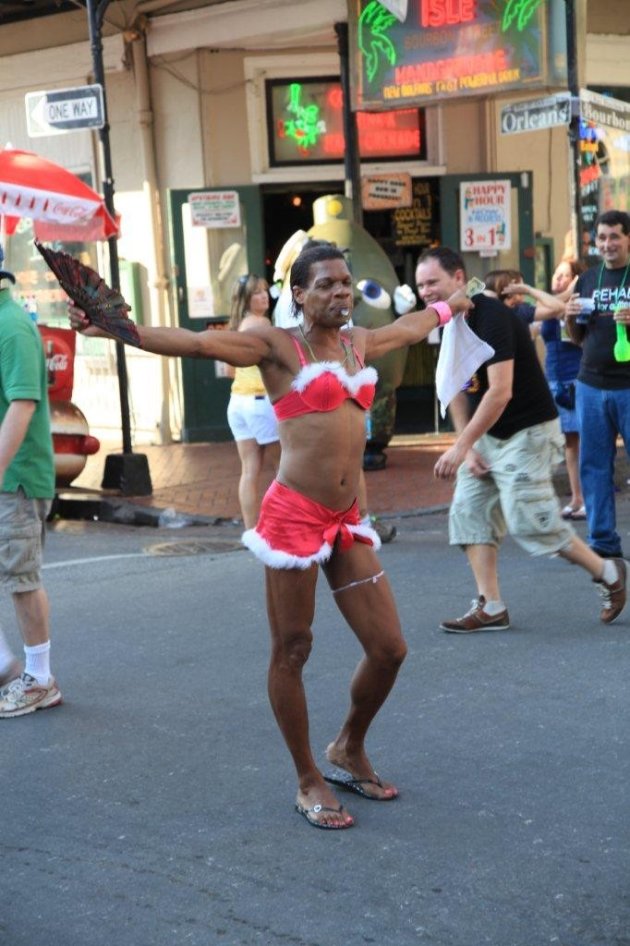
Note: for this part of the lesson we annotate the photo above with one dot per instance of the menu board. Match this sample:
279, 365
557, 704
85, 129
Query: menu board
416, 225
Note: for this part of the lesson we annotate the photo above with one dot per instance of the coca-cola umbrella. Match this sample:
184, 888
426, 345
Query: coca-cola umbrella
60, 204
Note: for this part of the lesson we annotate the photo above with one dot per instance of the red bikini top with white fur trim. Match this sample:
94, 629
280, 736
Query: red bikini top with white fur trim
323, 386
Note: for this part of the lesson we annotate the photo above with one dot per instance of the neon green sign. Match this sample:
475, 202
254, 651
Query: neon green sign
306, 128
373, 40
519, 12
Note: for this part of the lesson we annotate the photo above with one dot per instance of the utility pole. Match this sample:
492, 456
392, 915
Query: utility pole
574, 126
127, 472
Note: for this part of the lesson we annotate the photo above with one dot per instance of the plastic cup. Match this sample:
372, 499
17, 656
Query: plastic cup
587, 306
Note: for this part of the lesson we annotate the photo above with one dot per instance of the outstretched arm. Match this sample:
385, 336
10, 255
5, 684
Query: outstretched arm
547, 306
411, 328
236, 348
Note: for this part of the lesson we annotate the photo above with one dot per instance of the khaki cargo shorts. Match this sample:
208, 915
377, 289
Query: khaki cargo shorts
516, 497
22, 529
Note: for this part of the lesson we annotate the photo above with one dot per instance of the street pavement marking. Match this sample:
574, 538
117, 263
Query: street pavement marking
98, 558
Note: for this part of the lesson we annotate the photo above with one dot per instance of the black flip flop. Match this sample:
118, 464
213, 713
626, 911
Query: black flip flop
315, 810
355, 785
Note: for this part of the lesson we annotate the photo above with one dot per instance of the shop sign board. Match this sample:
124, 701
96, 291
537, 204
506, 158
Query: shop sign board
215, 210
305, 125
604, 158
385, 191
450, 49
485, 219
64, 110
416, 226
200, 302
556, 110
536, 115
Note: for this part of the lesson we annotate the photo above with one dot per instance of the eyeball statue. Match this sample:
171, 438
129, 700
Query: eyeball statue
378, 300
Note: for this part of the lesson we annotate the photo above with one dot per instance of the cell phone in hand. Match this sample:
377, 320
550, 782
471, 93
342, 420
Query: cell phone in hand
473, 286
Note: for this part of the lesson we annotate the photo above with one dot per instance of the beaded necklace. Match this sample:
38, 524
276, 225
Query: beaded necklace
623, 278
347, 349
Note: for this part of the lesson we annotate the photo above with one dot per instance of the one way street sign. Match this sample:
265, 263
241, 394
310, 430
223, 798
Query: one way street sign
64, 110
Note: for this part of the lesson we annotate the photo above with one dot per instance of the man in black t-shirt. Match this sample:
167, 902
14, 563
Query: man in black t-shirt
508, 440
603, 385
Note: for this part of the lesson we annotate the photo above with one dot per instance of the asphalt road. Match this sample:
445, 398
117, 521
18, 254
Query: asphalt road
155, 807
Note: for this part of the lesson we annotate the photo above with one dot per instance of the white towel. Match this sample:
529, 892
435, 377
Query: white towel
461, 354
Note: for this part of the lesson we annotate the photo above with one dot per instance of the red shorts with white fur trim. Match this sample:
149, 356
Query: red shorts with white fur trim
294, 531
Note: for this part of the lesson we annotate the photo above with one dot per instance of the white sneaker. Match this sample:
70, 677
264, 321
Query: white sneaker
10, 674
25, 695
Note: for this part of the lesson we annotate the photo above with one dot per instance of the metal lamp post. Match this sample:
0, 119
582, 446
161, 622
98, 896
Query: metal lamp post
352, 161
128, 472
574, 125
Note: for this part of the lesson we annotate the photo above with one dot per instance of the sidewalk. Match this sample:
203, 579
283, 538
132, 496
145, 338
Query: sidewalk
201, 479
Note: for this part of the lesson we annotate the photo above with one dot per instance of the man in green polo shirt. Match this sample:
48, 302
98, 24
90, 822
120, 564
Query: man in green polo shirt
27, 486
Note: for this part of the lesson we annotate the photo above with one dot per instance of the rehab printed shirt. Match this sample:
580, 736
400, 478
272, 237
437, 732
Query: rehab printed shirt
607, 288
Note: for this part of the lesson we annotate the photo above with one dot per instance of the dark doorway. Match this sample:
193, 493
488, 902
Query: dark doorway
287, 210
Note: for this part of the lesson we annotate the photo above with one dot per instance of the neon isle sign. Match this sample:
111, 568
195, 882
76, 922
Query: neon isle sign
439, 13
436, 13
447, 47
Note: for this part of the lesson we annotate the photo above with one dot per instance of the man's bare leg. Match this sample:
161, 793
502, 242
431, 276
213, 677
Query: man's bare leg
579, 553
32, 612
370, 611
371, 684
483, 560
290, 606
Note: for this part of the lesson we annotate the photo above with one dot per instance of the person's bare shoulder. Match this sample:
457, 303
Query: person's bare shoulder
253, 322
281, 350
357, 336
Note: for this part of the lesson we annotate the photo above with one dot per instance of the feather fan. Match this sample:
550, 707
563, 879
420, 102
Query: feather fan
105, 307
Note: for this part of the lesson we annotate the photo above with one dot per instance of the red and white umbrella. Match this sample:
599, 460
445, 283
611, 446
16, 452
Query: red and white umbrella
60, 204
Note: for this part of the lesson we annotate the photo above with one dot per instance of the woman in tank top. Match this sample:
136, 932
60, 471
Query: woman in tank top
250, 414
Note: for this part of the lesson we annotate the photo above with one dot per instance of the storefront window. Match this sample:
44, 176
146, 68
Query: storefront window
305, 123
36, 286
215, 245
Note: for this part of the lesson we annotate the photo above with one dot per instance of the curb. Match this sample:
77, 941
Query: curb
412, 513
94, 507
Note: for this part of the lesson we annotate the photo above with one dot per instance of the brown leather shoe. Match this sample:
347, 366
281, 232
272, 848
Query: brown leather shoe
384, 530
477, 620
614, 596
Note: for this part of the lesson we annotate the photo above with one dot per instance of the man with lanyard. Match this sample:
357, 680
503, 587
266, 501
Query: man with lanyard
603, 383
